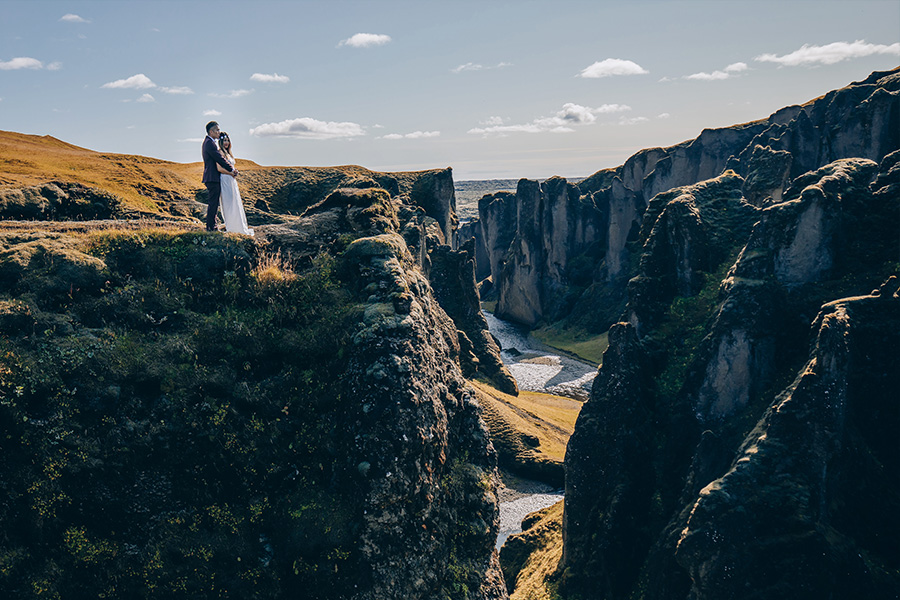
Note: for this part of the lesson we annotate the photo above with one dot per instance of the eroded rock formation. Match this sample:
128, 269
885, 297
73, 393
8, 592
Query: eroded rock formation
202, 413
536, 281
666, 467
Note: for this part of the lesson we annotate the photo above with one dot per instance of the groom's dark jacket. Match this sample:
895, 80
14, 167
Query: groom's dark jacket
212, 156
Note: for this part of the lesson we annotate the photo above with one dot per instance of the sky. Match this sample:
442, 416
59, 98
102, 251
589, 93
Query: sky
493, 89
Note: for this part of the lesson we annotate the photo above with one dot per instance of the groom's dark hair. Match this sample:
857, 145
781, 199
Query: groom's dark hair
210, 125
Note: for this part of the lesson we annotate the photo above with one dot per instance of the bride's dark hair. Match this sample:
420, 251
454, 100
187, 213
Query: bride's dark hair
223, 137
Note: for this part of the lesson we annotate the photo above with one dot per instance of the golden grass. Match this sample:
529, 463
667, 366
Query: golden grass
545, 539
27, 160
145, 184
549, 418
273, 268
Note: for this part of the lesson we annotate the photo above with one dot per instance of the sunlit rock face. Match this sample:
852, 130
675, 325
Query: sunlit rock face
553, 225
861, 120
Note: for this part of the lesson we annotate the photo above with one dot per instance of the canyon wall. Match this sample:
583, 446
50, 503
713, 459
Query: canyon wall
538, 255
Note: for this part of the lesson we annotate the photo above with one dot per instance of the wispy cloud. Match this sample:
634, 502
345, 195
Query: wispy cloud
135, 82
70, 18
233, 94
727, 73
632, 121
211, 113
412, 136
478, 67
663, 115
142, 82
612, 66
365, 40
273, 78
562, 122
181, 90
21, 62
829, 54
309, 128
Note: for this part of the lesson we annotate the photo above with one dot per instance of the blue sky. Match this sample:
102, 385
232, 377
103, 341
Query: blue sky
493, 89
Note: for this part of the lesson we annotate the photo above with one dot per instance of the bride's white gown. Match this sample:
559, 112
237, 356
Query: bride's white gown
232, 207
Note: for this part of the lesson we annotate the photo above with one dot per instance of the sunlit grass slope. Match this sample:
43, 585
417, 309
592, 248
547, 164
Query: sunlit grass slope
530, 431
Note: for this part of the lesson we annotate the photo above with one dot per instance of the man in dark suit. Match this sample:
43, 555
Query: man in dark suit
211, 157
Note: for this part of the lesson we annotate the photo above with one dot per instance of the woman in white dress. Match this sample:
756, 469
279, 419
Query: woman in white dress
232, 207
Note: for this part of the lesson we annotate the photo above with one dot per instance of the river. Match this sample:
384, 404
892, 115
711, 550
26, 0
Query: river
536, 368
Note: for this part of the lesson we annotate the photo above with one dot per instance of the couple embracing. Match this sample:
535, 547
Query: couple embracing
219, 175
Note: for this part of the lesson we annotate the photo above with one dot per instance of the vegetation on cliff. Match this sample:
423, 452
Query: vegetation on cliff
193, 415
172, 416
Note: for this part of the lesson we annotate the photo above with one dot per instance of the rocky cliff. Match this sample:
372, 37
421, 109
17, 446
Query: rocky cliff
192, 415
568, 255
727, 442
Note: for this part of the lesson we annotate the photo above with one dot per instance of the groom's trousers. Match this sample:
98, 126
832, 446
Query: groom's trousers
215, 192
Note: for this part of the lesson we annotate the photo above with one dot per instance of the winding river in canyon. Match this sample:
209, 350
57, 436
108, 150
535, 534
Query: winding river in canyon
537, 368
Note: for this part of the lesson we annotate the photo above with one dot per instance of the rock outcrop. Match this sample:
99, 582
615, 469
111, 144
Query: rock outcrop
553, 225
58, 201
810, 502
189, 415
671, 492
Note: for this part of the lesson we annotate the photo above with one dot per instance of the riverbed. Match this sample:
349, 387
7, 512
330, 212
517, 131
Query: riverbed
536, 368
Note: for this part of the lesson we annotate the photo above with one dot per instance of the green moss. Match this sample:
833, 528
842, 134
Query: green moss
574, 341
173, 436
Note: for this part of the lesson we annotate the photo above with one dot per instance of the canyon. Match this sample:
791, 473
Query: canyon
321, 411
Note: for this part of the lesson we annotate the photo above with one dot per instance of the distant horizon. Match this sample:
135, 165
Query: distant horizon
496, 90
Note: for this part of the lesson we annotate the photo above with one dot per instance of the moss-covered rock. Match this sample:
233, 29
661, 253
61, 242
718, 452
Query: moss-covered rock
191, 426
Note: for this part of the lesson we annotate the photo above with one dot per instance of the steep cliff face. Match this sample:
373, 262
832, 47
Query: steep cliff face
666, 467
188, 415
553, 225
861, 120
812, 498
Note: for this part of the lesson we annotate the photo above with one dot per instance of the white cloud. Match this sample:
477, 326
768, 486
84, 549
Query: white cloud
211, 113
233, 94
663, 116
70, 18
273, 78
737, 67
366, 40
135, 82
146, 98
308, 128
180, 90
478, 67
21, 62
191, 140
612, 66
571, 114
54, 66
714, 76
412, 136
829, 54
632, 121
